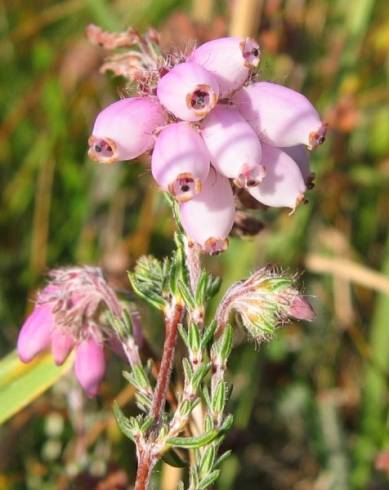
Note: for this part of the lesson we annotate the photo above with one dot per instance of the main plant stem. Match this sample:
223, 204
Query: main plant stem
171, 331
146, 457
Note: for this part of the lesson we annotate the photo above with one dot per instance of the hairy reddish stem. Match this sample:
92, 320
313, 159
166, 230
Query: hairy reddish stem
165, 369
145, 467
146, 458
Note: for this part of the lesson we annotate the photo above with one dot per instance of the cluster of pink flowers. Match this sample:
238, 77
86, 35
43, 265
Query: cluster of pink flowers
210, 127
67, 316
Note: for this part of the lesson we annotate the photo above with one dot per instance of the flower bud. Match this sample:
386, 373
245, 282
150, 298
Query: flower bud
188, 91
90, 365
208, 218
280, 116
233, 145
264, 301
124, 129
180, 161
301, 309
61, 346
229, 59
283, 185
34, 336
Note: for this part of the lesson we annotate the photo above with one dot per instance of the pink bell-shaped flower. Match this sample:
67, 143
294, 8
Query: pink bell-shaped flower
124, 130
188, 91
180, 161
233, 145
280, 116
61, 346
300, 155
35, 334
283, 185
229, 59
208, 218
90, 365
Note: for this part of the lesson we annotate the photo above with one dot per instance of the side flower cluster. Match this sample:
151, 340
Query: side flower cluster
66, 317
211, 127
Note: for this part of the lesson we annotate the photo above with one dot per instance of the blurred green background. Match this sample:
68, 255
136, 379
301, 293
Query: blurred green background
312, 406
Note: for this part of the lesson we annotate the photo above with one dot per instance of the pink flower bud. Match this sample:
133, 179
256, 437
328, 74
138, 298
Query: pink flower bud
233, 145
208, 218
229, 59
188, 91
90, 365
301, 309
35, 334
283, 185
281, 116
124, 129
180, 161
61, 346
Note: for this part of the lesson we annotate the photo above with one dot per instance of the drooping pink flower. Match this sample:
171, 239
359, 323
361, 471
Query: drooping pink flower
124, 130
61, 346
233, 145
208, 218
90, 365
229, 59
35, 334
67, 317
300, 155
180, 161
188, 91
283, 185
280, 116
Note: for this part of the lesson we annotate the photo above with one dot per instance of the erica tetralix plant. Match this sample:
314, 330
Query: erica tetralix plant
216, 134
207, 107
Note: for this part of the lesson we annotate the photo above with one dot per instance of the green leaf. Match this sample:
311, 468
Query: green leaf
209, 480
172, 458
193, 442
219, 398
207, 460
194, 338
123, 422
208, 334
21, 383
186, 294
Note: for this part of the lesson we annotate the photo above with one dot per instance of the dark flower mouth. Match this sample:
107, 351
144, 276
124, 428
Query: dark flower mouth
185, 187
250, 53
214, 246
102, 150
202, 100
317, 137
